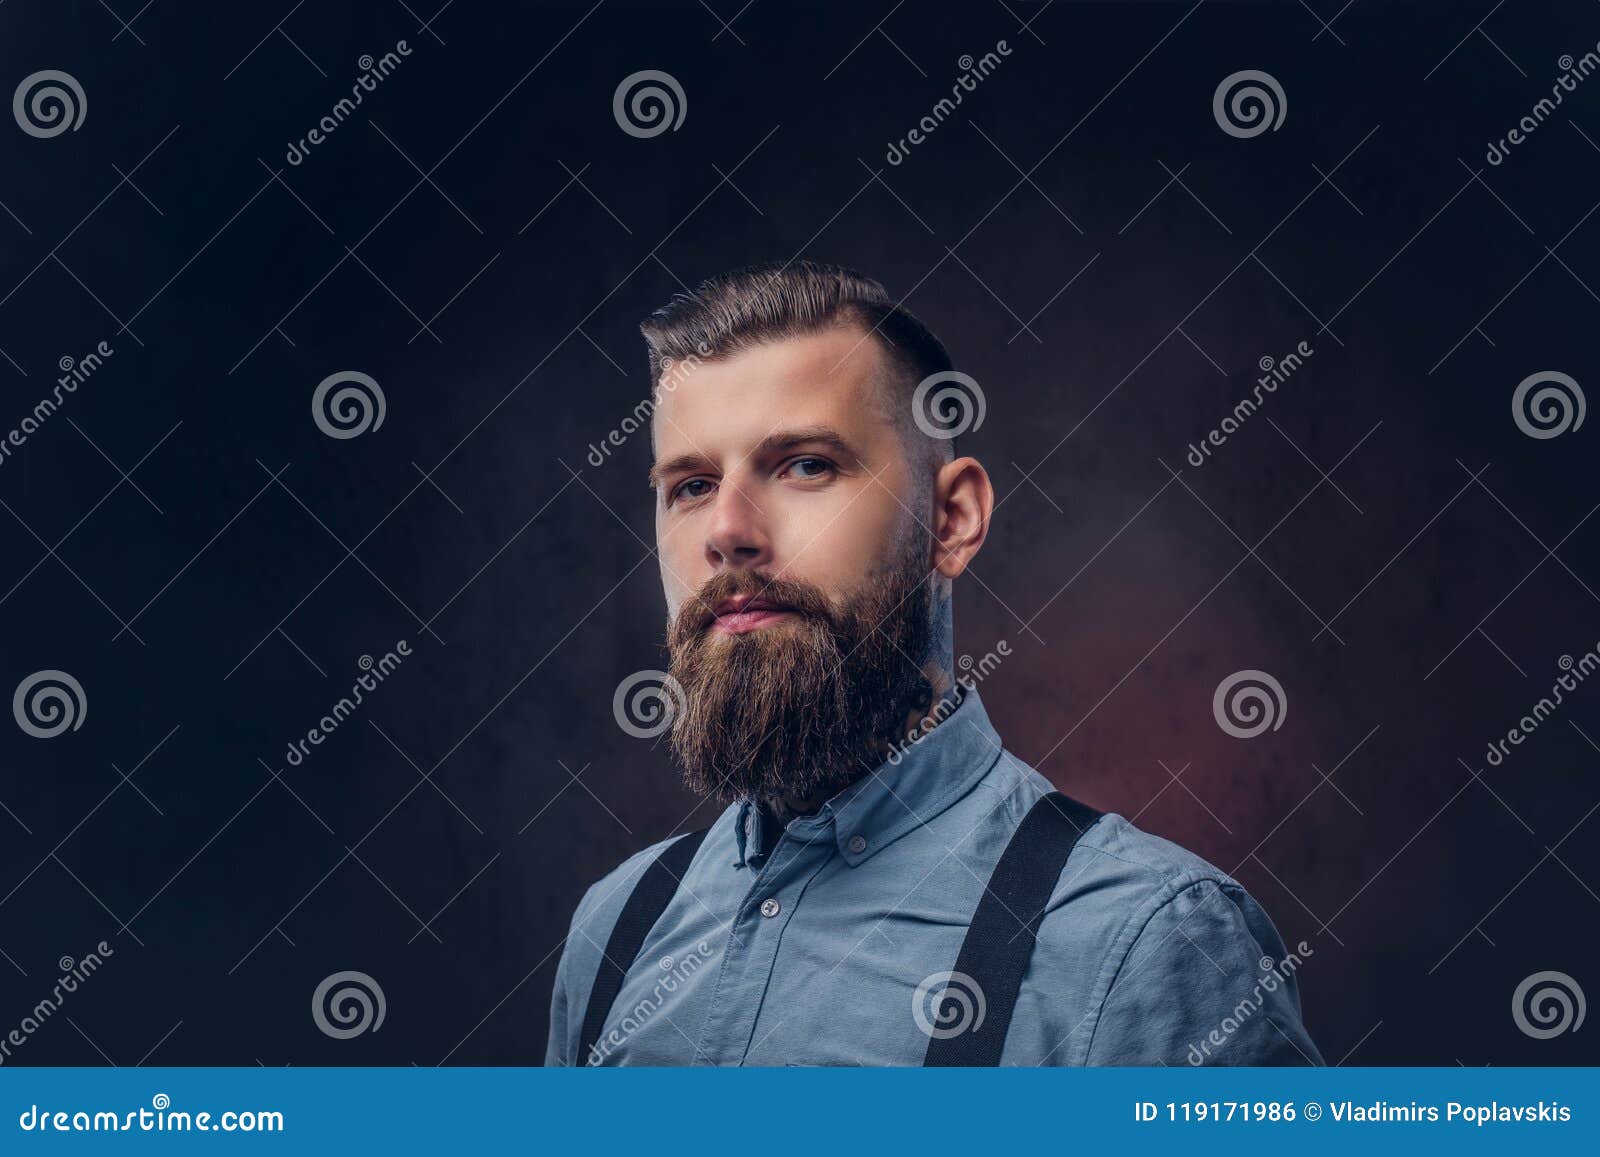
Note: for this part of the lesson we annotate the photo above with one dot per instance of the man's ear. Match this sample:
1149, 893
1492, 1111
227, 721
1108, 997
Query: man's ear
963, 499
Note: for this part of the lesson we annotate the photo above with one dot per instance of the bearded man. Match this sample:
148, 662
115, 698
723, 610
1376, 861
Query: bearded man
887, 885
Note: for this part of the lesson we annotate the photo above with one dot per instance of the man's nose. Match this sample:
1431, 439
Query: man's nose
738, 534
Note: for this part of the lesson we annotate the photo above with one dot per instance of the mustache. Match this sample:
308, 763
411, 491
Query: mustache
698, 613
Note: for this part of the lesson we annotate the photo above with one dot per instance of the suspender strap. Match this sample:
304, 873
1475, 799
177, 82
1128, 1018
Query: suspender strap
1005, 927
651, 895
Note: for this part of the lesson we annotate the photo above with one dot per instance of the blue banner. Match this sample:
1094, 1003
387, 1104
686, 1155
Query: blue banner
794, 1110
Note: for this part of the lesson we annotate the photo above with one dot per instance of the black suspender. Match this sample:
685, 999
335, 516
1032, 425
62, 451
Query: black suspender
651, 895
993, 956
1005, 927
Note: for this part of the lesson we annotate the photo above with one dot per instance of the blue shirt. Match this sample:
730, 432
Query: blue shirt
833, 945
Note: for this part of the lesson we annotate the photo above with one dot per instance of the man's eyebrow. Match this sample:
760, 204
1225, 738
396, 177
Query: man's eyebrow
675, 465
770, 446
781, 440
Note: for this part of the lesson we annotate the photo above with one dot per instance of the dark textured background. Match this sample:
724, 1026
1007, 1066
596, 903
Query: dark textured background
1413, 607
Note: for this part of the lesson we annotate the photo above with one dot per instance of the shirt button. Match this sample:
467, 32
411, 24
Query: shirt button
858, 844
770, 907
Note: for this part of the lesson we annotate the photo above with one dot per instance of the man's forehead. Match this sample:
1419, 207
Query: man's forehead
831, 378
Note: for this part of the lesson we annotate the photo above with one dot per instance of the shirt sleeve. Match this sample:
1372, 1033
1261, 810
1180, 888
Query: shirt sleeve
555, 1053
559, 1048
1207, 981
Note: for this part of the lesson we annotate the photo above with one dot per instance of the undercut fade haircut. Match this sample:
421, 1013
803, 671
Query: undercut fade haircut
760, 304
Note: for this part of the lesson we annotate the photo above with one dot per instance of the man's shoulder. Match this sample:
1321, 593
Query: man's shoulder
603, 901
1120, 877
1144, 861
1113, 856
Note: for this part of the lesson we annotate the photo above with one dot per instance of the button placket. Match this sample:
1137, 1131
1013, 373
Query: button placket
753, 947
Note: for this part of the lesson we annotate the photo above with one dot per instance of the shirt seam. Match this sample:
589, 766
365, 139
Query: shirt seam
1111, 970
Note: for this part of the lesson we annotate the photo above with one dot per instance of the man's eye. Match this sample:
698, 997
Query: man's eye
809, 468
693, 488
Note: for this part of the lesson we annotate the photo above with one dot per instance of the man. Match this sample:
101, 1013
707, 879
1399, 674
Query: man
888, 885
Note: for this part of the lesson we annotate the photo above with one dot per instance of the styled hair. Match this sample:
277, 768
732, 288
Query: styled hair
759, 304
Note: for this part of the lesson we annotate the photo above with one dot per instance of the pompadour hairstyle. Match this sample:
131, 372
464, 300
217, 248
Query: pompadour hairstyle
759, 304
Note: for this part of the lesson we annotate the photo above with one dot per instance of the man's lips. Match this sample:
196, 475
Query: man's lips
741, 614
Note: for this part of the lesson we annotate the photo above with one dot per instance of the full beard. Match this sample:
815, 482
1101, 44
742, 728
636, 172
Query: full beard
799, 709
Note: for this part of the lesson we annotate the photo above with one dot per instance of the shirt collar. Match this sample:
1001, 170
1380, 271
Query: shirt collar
925, 774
